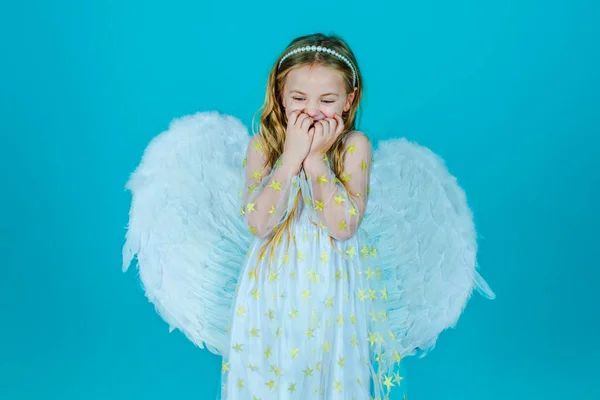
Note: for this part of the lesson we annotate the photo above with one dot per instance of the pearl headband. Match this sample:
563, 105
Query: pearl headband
323, 50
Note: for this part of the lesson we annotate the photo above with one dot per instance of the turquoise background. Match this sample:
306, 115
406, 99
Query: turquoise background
506, 92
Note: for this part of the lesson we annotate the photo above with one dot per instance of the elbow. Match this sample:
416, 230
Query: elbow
256, 228
344, 235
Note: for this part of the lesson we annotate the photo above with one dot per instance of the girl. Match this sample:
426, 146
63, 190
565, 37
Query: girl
304, 308
328, 297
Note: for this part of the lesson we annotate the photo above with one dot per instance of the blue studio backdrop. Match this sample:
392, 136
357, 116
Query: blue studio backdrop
506, 92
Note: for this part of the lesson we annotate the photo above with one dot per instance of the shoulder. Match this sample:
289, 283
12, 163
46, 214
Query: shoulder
357, 140
256, 143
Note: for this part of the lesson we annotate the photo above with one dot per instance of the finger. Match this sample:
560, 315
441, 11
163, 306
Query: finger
300, 118
319, 128
330, 128
293, 117
340, 124
306, 123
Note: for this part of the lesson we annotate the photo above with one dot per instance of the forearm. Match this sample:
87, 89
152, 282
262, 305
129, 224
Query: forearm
335, 206
267, 200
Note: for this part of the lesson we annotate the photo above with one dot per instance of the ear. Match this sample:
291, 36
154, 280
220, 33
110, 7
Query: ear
350, 99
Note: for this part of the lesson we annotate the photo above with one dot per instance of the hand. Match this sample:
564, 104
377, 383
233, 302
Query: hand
324, 133
297, 137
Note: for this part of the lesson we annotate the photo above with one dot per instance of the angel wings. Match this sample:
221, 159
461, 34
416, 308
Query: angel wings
189, 240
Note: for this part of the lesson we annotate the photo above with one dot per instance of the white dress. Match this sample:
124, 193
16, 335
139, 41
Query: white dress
317, 318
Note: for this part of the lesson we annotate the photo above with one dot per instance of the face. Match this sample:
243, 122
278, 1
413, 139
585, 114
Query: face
318, 91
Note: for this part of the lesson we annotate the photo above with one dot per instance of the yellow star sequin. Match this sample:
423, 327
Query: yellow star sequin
270, 314
238, 347
343, 225
372, 295
224, 367
292, 387
362, 295
256, 293
241, 311
322, 179
324, 257
294, 352
272, 210
275, 185
273, 276
339, 199
268, 352
240, 384
351, 148
365, 251
388, 382
310, 333
363, 166
257, 174
254, 332
346, 177
319, 205
276, 370
313, 276
383, 293
329, 302
372, 338
351, 251
342, 362
397, 377
293, 313
250, 207
306, 294
308, 371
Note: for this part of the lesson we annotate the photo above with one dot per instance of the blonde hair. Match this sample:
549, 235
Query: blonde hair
273, 121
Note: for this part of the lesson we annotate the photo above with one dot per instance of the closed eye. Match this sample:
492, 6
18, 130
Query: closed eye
324, 101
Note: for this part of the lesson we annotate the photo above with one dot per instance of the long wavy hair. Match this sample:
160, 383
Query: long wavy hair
273, 121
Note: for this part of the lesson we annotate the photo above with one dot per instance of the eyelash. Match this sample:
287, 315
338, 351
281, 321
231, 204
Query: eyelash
324, 101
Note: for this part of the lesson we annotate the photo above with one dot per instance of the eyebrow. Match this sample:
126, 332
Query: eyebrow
324, 94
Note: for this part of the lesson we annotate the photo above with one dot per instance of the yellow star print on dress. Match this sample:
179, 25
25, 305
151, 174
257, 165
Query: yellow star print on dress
374, 265
311, 315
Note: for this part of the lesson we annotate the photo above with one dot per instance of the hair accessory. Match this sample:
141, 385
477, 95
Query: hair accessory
323, 50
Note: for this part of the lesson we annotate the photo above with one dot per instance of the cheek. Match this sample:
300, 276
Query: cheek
332, 109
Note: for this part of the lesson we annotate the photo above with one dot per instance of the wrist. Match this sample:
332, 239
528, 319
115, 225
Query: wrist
291, 165
313, 162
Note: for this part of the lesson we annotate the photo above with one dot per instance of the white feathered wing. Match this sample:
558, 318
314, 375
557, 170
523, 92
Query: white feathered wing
426, 241
183, 228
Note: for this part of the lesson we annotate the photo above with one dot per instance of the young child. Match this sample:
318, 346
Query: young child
323, 305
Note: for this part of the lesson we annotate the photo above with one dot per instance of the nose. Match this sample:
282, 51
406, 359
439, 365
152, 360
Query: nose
313, 112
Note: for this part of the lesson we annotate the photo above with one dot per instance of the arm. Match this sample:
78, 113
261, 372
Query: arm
267, 192
340, 207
